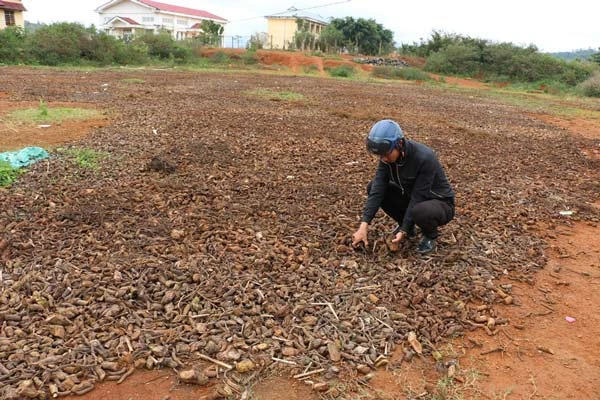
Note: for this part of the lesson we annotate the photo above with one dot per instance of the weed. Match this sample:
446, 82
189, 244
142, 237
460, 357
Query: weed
591, 87
8, 174
405, 73
86, 158
277, 96
56, 115
249, 57
220, 57
43, 108
343, 71
133, 80
310, 69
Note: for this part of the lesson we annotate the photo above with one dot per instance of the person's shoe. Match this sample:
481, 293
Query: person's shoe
426, 246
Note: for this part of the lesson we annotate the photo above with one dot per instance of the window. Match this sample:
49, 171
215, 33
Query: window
148, 19
182, 21
9, 17
167, 20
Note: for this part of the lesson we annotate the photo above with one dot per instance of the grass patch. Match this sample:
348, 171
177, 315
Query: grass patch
8, 174
310, 69
47, 114
404, 73
86, 158
343, 71
276, 96
133, 80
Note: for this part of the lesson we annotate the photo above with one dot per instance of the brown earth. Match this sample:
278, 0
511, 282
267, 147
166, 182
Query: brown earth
538, 354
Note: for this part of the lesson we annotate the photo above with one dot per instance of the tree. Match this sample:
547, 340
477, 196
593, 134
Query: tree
304, 38
331, 39
596, 57
212, 32
364, 36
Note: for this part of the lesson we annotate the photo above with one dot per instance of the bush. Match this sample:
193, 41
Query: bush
55, 44
13, 45
7, 173
220, 57
161, 45
343, 71
591, 86
405, 73
250, 57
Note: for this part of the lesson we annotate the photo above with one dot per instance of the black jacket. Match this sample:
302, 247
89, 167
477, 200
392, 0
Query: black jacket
420, 177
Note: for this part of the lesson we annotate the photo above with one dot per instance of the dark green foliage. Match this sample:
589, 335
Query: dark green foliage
343, 71
55, 44
220, 57
591, 86
364, 36
460, 55
164, 47
12, 46
574, 55
303, 38
212, 33
7, 173
404, 73
249, 57
331, 39
595, 57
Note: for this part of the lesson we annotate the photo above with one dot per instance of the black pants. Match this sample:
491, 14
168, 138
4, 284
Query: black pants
428, 214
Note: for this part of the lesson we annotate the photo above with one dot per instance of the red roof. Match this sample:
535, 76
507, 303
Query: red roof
7, 5
128, 20
181, 10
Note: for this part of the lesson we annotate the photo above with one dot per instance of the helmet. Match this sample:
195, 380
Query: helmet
384, 137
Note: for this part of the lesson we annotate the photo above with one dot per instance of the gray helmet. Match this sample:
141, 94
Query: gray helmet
384, 137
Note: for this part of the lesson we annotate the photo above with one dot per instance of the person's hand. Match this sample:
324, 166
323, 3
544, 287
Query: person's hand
400, 236
360, 236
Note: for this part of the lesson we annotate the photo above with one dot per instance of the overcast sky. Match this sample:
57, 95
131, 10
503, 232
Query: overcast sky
550, 25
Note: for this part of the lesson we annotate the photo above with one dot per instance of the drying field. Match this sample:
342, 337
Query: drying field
217, 223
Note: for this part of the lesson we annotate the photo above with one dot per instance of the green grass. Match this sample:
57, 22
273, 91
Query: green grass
133, 80
343, 71
45, 114
404, 73
86, 158
275, 95
8, 174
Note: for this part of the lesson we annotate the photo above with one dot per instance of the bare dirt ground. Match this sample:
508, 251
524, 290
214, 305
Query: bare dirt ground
514, 173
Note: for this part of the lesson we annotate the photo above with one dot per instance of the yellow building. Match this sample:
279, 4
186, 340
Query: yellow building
11, 13
282, 28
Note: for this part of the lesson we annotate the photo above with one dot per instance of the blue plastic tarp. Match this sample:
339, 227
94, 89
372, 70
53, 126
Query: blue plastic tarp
24, 157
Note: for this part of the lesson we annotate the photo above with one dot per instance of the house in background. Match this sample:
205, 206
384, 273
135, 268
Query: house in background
281, 28
11, 13
125, 18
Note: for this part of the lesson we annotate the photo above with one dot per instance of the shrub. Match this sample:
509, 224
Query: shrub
250, 57
591, 86
343, 71
219, 57
405, 73
56, 44
13, 45
7, 173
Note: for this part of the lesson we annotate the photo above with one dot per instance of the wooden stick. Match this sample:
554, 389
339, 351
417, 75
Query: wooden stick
492, 351
306, 374
212, 360
330, 307
283, 361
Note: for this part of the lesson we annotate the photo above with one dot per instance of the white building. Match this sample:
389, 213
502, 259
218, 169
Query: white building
124, 18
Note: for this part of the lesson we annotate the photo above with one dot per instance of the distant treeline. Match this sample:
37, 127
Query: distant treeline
446, 54
73, 44
575, 55
453, 54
